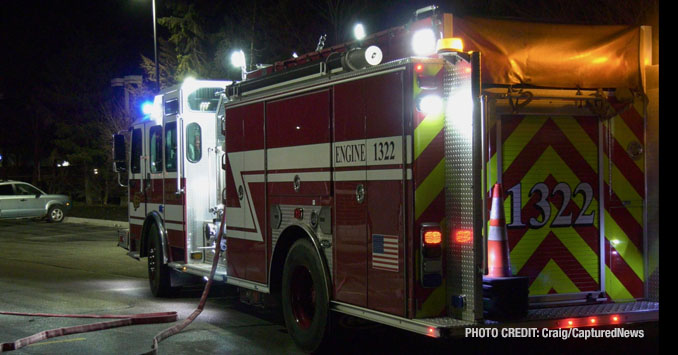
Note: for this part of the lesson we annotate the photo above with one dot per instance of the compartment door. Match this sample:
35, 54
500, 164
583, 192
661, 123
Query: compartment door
551, 180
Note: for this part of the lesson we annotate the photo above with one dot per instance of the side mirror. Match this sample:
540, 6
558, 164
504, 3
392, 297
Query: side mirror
119, 153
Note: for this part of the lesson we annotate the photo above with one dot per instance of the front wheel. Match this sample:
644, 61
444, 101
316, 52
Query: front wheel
56, 214
158, 271
305, 297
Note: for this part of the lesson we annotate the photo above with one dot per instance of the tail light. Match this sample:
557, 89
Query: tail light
431, 255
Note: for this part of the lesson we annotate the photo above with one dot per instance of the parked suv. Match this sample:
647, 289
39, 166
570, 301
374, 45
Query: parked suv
22, 200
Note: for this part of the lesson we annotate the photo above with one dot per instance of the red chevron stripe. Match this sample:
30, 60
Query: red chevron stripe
435, 212
625, 164
623, 271
509, 123
552, 249
491, 142
621, 216
534, 149
633, 119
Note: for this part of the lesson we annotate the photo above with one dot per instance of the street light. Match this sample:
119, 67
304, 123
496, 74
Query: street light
155, 52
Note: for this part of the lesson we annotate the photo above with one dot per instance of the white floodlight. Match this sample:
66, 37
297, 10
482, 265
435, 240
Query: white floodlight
359, 31
424, 42
238, 59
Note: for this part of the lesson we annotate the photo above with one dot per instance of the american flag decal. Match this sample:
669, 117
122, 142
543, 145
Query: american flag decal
385, 252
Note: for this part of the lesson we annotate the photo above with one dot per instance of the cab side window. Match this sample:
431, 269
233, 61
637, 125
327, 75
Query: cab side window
6, 190
155, 149
193, 143
23, 189
171, 147
136, 152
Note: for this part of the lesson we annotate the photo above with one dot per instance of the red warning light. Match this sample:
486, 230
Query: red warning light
463, 236
433, 237
592, 320
615, 319
419, 68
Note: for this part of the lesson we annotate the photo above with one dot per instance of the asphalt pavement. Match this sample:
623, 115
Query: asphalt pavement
77, 268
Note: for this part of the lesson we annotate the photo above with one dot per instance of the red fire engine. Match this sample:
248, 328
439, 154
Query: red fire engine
356, 179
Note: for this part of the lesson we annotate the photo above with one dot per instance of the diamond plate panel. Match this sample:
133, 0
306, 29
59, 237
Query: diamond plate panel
287, 214
590, 310
462, 271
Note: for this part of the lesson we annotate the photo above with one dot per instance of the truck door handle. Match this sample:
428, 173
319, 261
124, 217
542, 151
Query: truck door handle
360, 193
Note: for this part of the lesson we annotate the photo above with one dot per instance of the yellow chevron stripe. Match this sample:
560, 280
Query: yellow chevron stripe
434, 304
614, 288
622, 188
624, 136
626, 249
519, 138
552, 276
579, 139
571, 239
427, 130
522, 251
493, 175
429, 189
582, 252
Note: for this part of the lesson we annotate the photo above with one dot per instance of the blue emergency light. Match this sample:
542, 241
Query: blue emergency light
147, 108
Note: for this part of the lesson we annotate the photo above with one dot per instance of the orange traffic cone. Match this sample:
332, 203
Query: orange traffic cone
497, 242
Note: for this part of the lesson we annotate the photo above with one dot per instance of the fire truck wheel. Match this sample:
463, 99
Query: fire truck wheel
305, 297
55, 214
158, 272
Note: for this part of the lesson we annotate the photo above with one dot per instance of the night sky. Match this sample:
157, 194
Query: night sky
59, 56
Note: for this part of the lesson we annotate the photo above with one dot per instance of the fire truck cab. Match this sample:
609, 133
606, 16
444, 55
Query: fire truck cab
174, 174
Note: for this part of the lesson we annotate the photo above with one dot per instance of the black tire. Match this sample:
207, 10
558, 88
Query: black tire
305, 298
56, 214
158, 272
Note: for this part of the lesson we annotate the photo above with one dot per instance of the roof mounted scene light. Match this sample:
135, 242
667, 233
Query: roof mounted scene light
359, 31
424, 42
359, 58
238, 61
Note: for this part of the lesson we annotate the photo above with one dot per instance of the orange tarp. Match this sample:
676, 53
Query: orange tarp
553, 55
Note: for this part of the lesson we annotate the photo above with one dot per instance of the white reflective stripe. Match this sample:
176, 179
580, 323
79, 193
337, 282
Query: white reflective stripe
372, 175
139, 212
496, 234
174, 212
349, 153
308, 176
388, 174
353, 175
245, 216
299, 157
496, 211
174, 226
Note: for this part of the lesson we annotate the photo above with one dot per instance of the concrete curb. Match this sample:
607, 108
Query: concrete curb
97, 222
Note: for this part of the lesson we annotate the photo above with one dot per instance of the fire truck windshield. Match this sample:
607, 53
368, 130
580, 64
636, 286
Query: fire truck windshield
204, 99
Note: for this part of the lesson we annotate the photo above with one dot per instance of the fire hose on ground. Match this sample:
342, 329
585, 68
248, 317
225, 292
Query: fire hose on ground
121, 320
